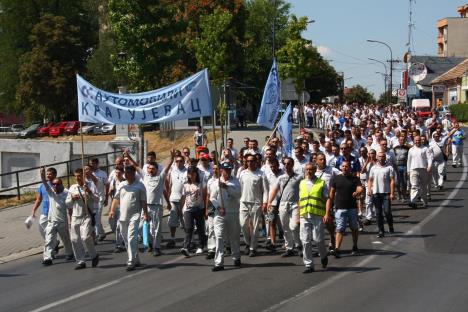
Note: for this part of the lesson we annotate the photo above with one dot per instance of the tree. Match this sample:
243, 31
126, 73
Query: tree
47, 84
261, 18
359, 94
17, 19
383, 99
147, 32
300, 60
295, 54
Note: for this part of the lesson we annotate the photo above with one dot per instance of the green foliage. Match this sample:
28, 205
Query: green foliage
459, 111
212, 48
300, 60
146, 31
17, 19
383, 99
99, 66
359, 94
47, 85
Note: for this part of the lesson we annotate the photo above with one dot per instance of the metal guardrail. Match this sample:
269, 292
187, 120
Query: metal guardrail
69, 173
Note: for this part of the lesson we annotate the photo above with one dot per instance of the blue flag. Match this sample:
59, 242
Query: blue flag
271, 99
285, 130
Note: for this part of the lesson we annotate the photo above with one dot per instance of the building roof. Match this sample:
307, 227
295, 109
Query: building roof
436, 66
453, 73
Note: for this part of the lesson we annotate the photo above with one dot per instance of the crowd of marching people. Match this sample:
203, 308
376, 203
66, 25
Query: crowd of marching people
346, 176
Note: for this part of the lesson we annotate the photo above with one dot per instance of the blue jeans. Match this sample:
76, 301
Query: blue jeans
346, 216
383, 207
402, 180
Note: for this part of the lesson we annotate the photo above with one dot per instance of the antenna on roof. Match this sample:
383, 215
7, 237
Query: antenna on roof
410, 25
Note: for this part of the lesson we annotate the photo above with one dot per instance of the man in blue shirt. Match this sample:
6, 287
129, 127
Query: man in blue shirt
457, 135
346, 156
43, 198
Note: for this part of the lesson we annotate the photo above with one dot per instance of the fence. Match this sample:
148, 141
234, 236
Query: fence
69, 171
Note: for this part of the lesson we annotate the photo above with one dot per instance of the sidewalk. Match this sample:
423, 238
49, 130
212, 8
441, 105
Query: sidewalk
16, 241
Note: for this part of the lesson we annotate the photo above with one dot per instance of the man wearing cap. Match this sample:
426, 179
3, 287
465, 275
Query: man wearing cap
224, 198
177, 178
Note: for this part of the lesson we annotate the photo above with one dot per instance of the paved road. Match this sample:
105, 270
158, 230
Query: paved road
423, 267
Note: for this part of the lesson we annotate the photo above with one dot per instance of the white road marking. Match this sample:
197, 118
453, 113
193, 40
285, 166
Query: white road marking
94, 289
426, 220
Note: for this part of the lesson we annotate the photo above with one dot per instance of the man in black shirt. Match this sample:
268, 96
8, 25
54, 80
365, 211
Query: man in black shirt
344, 191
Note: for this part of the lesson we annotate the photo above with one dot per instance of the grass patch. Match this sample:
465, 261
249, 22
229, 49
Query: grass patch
11, 201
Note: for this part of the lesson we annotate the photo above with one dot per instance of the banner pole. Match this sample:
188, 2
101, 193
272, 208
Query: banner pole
216, 162
274, 130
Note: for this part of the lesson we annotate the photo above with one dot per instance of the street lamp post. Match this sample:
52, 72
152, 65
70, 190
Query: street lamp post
386, 74
391, 63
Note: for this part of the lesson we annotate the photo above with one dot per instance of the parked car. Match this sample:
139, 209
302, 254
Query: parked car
16, 128
108, 129
30, 132
58, 129
72, 127
44, 129
90, 128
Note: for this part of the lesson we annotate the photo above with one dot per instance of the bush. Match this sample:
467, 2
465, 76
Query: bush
459, 111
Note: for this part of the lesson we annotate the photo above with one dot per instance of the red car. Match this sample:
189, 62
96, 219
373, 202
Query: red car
72, 127
44, 130
58, 129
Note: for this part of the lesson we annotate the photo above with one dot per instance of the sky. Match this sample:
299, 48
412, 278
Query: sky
342, 27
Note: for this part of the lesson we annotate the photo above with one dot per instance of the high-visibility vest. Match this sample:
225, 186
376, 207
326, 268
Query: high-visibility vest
312, 201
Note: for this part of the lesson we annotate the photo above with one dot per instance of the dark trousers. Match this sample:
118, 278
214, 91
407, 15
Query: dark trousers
382, 207
190, 219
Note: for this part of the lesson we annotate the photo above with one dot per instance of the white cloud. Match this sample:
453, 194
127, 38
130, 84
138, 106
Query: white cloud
324, 51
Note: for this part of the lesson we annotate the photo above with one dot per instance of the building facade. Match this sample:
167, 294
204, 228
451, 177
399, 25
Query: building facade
452, 34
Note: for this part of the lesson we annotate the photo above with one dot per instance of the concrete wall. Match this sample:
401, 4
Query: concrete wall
457, 34
16, 154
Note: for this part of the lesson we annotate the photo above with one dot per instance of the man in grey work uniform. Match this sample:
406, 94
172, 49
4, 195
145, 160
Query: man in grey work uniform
131, 198
288, 189
80, 198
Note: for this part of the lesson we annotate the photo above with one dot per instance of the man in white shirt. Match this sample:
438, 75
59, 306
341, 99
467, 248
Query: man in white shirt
103, 190
177, 178
419, 166
57, 220
253, 199
154, 181
81, 197
131, 199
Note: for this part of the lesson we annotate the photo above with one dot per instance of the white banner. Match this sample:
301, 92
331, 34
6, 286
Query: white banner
189, 98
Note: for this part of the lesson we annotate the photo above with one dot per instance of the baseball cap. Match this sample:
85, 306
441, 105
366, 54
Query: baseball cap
226, 165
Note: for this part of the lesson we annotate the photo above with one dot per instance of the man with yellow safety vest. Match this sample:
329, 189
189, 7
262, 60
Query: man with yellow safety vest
314, 210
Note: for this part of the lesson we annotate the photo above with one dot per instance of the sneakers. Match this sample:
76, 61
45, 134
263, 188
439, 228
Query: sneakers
412, 205
253, 253
185, 252
95, 261
324, 262
210, 255
47, 262
335, 253
118, 249
247, 250
80, 265
308, 270
288, 253
217, 268
355, 251
199, 251
70, 257
237, 262
157, 252
170, 244
131, 266
380, 235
